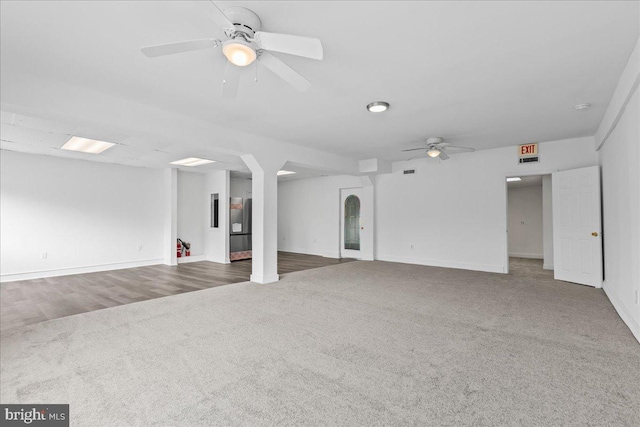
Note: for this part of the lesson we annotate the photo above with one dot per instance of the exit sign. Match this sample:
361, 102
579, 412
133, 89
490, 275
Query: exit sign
527, 150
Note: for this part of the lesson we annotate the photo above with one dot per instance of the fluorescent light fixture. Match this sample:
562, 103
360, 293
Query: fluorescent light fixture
86, 145
434, 152
514, 179
378, 106
192, 161
280, 173
239, 52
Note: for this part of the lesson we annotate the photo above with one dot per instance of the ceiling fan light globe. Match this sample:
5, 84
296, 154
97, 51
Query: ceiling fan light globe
434, 152
239, 52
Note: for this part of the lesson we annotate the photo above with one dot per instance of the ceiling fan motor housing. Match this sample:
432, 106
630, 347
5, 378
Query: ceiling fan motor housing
244, 20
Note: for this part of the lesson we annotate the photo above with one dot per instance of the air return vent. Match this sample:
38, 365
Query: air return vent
409, 171
534, 159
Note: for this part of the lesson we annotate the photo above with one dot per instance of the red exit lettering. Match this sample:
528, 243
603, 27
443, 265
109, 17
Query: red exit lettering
528, 150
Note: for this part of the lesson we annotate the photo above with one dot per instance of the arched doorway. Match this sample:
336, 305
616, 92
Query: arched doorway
352, 237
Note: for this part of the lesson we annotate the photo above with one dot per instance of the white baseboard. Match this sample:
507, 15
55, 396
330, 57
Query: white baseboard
622, 311
445, 264
547, 266
299, 251
194, 258
216, 260
77, 270
263, 280
526, 255
326, 254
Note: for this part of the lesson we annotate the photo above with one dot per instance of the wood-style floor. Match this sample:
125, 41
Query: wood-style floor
32, 301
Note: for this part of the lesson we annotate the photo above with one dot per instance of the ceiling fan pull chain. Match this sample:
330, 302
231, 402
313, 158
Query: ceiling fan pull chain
256, 78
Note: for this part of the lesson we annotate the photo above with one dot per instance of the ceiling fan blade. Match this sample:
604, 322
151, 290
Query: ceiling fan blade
231, 80
293, 45
414, 149
443, 155
220, 19
283, 71
171, 48
460, 149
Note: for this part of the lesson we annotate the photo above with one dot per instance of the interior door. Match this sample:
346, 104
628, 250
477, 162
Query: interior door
577, 229
351, 224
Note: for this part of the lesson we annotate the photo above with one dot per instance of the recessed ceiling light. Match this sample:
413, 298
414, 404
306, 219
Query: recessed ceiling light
192, 161
280, 173
582, 106
514, 179
86, 145
378, 106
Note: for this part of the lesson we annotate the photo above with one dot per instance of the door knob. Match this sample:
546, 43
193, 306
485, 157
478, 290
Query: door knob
594, 234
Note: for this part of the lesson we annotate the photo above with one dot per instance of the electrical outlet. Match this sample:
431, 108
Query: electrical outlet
139, 248
43, 255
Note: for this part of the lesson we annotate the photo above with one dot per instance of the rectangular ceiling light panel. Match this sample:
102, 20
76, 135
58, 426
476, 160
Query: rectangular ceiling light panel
86, 145
192, 161
514, 179
280, 173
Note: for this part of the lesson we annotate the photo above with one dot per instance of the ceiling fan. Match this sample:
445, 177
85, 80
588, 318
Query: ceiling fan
436, 147
245, 44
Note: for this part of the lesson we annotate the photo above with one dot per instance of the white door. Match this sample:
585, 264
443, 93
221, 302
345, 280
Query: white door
351, 224
577, 231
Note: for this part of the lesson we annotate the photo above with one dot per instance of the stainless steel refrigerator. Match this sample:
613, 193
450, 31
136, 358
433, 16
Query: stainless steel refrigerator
240, 228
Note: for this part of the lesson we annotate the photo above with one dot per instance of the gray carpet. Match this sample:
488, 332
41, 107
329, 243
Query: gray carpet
363, 343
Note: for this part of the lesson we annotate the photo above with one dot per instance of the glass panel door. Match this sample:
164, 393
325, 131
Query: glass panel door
352, 223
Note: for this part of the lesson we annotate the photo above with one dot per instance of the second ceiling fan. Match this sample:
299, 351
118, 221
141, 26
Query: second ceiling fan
245, 44
436, 147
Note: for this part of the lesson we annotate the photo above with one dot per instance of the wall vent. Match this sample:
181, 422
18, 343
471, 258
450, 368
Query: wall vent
409, 171
534, 159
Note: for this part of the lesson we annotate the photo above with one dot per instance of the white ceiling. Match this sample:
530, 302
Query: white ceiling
480, 74
526, 181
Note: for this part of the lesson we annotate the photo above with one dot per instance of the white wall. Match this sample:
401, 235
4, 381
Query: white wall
192, 210
454, 212
309, 214
547, 223
525, 222
216, 240
620, 160
85, 215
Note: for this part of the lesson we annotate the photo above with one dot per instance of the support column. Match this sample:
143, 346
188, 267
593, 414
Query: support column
264, 190
170, 208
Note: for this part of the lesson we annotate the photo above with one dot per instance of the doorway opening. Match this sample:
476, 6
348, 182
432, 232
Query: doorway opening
530, 225
240, 216
353, 209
